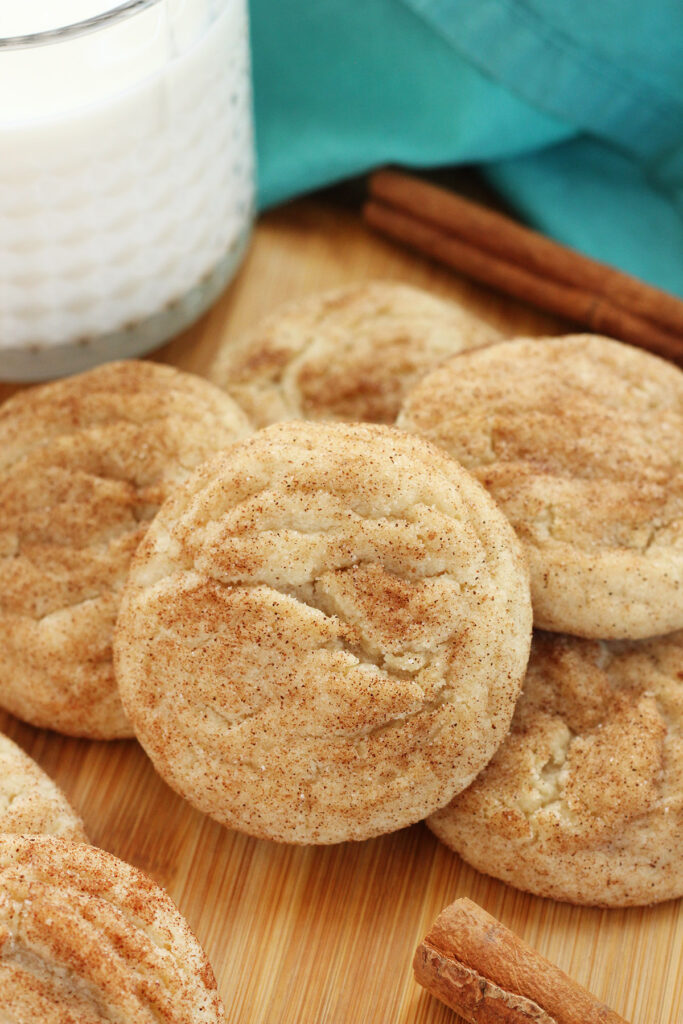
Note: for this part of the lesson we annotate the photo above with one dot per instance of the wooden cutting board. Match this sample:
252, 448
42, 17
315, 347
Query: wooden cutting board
306, 935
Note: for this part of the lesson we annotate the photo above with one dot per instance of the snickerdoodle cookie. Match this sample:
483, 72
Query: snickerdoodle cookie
84, 465
580, 441
324, 633
86, 938
584, 799
30, 801
347, 354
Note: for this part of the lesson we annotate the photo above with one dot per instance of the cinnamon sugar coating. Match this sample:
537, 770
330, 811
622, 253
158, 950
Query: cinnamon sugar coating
580, 441
347, 354
88, 939
30, 801
584, 800
324, 633
84, 465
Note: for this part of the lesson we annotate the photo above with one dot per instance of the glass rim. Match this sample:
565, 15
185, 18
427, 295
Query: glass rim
57, 35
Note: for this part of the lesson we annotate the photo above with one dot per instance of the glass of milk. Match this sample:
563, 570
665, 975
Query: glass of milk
126, 174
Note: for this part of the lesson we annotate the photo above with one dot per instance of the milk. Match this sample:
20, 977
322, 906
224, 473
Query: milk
126, 176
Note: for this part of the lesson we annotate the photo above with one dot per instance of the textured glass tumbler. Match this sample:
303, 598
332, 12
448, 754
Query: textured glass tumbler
126, 177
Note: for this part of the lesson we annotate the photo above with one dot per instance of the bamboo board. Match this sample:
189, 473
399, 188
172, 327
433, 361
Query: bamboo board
326, 935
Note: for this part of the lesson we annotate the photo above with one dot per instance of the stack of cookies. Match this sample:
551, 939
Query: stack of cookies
580, 442
307, 589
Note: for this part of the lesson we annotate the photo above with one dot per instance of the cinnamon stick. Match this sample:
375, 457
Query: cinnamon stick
505, 238
576, 304
481, 969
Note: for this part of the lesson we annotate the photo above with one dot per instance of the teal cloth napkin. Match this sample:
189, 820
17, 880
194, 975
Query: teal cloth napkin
573, 110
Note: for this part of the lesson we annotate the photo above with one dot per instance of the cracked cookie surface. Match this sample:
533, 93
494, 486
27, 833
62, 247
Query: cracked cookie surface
30, 801
347, 354
88, 939
324, 633
580, 442
85, 463
584, 800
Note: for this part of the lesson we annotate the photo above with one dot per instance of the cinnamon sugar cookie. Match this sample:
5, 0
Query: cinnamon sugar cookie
580, 441
347, 354
324, 633
84, 465
86, 938
30, 801
584, 800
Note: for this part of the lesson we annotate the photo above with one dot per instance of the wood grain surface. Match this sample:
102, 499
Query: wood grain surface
327, 934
